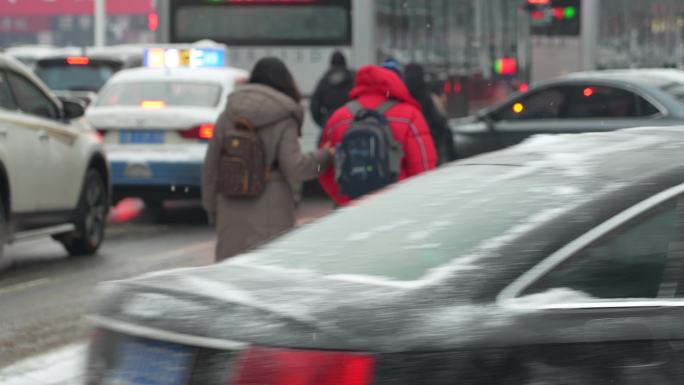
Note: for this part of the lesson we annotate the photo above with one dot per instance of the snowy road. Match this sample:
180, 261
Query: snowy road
61, 366
43, 294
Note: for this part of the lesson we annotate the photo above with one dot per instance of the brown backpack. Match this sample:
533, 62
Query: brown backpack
242, 166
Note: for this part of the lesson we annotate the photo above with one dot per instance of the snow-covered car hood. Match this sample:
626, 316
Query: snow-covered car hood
138, 118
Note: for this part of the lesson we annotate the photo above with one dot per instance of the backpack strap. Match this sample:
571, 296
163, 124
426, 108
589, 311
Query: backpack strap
245, 124
384, 107
356, 108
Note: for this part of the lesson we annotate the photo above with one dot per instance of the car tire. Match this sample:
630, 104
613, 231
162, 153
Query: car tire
91, 217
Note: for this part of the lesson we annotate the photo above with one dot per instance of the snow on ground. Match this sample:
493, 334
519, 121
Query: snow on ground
62, 366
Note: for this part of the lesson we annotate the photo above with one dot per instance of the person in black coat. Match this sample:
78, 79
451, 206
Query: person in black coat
414, 77
332, 91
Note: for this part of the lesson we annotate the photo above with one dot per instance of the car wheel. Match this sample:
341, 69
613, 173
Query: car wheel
91, 217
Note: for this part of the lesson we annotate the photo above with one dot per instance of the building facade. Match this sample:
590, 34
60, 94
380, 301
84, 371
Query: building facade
70, 22
640, 33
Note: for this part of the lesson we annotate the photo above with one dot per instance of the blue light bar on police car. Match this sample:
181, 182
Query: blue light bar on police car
190, 57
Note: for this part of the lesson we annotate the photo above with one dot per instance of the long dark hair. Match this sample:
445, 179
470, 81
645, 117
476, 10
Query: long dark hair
414, 77
272, 72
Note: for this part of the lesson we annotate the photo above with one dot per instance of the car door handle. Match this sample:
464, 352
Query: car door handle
43, 136
3, 134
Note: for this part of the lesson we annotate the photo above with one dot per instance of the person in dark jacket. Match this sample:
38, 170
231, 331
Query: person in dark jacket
414, 77
374, 86
332, 91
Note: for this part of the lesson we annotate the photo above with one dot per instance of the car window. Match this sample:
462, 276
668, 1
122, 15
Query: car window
59, 75
544, 104
606, 102
161, 93
30, 98
646, 109
629, 263
6, 98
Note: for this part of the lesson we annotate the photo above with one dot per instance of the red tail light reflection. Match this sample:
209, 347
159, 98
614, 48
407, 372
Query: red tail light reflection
260, 366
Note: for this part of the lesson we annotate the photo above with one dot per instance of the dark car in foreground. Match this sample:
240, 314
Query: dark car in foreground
594, 101
558, 261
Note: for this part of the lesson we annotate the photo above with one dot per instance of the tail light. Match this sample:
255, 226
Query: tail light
270, 366
97, 137
78, 60
202, 132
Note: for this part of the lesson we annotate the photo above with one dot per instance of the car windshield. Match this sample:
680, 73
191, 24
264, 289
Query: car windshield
65, 77
160, 94
423, 224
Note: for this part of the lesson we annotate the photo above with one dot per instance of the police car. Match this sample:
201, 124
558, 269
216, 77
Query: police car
156, 121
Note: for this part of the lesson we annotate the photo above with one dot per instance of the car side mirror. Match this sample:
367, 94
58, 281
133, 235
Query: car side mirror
72, 107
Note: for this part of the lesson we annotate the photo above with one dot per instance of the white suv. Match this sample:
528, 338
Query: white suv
54, 177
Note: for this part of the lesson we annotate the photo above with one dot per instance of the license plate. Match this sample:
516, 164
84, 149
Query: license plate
141, 137
152, 363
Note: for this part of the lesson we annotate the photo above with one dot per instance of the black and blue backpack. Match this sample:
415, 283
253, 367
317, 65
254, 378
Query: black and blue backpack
368, 158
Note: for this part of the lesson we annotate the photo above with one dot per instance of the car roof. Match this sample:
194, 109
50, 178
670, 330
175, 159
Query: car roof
33, 51
647, 76
186, 74
115, 52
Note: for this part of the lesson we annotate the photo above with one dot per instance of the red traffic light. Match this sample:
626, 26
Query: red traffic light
506, 66
153, 21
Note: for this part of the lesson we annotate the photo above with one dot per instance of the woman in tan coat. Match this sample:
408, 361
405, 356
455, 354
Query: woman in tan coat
270, 101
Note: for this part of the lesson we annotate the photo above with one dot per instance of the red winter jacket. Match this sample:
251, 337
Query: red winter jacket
375, 85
